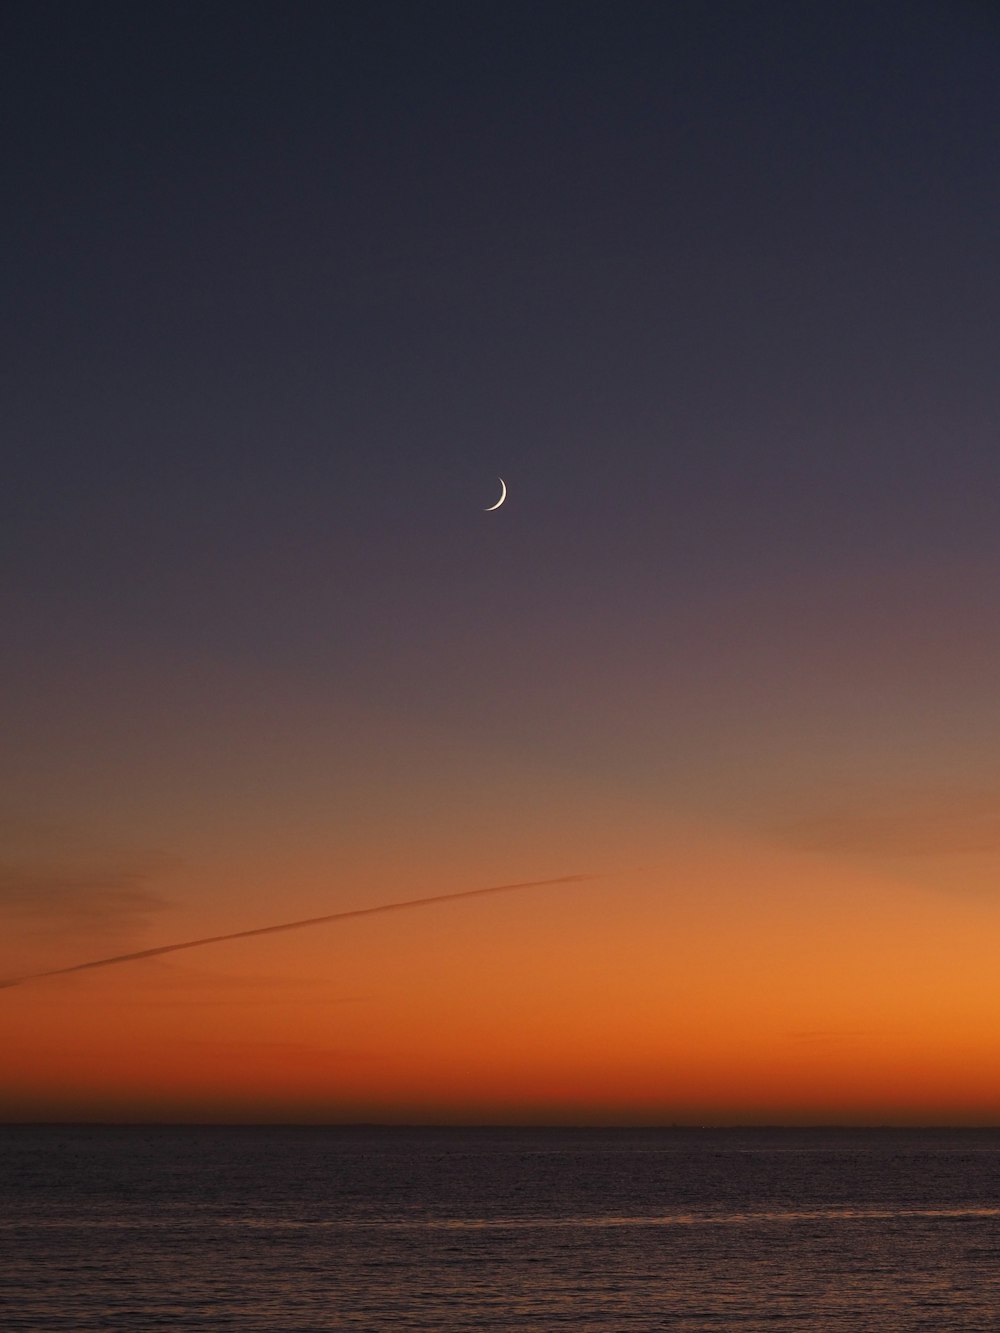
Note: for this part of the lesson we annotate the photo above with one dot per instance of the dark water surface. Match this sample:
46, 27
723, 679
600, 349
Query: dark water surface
137, 1228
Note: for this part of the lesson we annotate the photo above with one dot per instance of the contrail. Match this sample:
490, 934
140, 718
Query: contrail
294, 925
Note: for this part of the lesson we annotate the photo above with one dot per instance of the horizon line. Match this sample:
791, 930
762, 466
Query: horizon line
659, 1127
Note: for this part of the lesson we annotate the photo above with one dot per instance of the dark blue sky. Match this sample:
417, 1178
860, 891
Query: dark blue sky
714, 287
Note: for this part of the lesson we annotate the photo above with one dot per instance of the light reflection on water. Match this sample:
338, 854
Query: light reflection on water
458, 1230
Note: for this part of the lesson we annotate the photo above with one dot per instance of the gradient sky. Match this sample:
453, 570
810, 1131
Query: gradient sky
716, 289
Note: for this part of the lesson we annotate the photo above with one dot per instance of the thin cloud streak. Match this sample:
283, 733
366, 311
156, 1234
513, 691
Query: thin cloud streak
406, 905
962, 825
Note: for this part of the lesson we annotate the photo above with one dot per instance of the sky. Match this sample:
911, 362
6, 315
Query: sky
714, 289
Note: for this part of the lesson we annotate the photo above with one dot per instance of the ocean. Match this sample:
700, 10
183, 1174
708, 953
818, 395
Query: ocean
599, 1230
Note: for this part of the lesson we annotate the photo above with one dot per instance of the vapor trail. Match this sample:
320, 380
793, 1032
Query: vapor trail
294, 925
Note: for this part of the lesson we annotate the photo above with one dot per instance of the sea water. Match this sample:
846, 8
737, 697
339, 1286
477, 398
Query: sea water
197, 1228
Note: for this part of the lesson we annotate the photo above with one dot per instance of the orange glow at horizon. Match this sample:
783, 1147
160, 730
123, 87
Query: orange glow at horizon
736, 981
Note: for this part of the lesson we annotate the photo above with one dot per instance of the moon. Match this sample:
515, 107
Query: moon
503, 496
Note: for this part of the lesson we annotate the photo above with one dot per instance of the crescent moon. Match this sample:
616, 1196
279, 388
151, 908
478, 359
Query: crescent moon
503, 496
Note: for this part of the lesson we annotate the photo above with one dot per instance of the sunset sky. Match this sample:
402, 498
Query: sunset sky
715, 288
